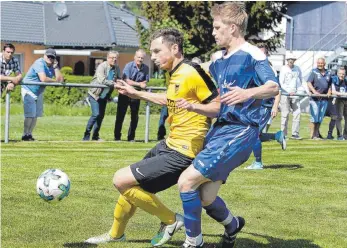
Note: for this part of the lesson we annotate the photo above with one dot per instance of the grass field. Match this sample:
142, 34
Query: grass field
299, 200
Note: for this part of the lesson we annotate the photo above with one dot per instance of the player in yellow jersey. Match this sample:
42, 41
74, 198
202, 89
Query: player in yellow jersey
162, 166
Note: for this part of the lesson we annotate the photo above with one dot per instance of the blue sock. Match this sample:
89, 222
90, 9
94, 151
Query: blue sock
257, 150
192, 212
218, 211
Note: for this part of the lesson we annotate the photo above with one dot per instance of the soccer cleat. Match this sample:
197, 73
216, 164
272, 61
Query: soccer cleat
255, 166
166, 232
229, 239
104, 238
281, 138
187, 245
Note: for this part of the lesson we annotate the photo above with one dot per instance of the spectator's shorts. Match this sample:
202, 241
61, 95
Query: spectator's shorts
33, 105
227, 146
317, 110
160, 168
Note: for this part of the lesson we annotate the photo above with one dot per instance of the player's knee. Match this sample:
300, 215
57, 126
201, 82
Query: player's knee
118, 182
183, 183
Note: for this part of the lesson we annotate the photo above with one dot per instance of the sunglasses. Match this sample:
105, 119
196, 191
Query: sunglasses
50, 57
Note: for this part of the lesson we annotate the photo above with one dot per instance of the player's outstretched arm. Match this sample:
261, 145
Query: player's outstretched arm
210, 109
126, 89
238, 95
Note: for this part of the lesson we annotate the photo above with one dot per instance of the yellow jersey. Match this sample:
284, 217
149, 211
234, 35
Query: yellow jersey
188, 129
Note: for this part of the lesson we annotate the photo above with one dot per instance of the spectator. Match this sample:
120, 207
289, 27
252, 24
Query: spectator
319, 83
9, 65
332, 113
135, 73
43, 70
339, 88
106, 73
161, 127
291, 83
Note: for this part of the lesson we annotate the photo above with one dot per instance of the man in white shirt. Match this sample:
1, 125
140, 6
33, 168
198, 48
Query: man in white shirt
291, 83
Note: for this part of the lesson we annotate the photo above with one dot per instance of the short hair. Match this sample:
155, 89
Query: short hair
321, 58
9, 45
170, 37
232, 13
112, 52
342, 69
141, 51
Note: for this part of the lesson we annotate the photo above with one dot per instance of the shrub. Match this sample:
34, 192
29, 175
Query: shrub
66, 70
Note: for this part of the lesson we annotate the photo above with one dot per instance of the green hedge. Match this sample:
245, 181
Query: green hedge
66, 96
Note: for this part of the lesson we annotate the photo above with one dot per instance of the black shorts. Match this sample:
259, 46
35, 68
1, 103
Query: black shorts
160, 168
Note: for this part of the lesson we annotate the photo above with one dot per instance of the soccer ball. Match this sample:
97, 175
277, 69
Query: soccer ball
53, 184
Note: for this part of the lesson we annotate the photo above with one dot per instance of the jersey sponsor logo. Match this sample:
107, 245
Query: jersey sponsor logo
171, 105
138, 171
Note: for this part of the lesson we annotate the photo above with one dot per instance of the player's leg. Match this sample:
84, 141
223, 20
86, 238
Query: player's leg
221, 155
216, 208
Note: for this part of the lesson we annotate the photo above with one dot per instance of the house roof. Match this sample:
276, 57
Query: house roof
88, 24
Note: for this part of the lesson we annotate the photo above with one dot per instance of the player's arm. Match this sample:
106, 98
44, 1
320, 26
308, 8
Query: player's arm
128, 90
210, 109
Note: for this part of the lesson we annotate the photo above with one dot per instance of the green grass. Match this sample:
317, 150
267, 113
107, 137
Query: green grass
299, 200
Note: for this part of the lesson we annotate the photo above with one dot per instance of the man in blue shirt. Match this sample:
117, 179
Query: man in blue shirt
135, 73
319, 83
244, 77
44, 70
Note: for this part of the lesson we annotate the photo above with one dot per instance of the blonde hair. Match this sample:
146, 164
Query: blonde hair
232, 13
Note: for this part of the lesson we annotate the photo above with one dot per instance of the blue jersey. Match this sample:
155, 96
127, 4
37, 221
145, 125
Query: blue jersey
33, 77
246, 68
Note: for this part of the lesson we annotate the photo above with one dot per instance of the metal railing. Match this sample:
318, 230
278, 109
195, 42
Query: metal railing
149, 89
7, 114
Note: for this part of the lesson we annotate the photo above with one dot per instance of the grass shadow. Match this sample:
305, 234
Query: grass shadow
284, 166
79, 245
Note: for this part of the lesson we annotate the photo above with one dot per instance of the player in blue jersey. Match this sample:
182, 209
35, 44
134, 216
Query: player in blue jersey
245, 78
269, 111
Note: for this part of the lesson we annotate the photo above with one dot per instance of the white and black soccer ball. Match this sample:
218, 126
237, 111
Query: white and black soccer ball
53, 184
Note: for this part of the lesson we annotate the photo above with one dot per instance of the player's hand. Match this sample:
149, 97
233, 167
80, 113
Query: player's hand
125, 89
143, 85
234, 96
10, 86
184, 104
274, 112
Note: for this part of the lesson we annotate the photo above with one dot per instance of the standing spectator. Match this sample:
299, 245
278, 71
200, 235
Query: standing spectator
291, 83
161, 127
9, 65
319, 83
106, 73
339, 88
43, 70
135, 73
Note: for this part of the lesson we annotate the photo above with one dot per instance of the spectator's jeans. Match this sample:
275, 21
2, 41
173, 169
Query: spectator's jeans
122, 106
98, 112
161, 127
341, 106
287, 104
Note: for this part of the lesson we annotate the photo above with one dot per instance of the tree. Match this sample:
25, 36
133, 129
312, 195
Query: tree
195, 20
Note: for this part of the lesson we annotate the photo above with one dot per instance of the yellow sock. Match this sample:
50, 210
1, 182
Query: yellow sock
123, 211
150, 203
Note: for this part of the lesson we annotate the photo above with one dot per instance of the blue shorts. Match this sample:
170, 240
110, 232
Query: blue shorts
317, 110
226, 147
32, 107
266, 116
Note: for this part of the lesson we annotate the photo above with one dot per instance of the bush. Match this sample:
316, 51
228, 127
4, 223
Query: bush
66, 70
